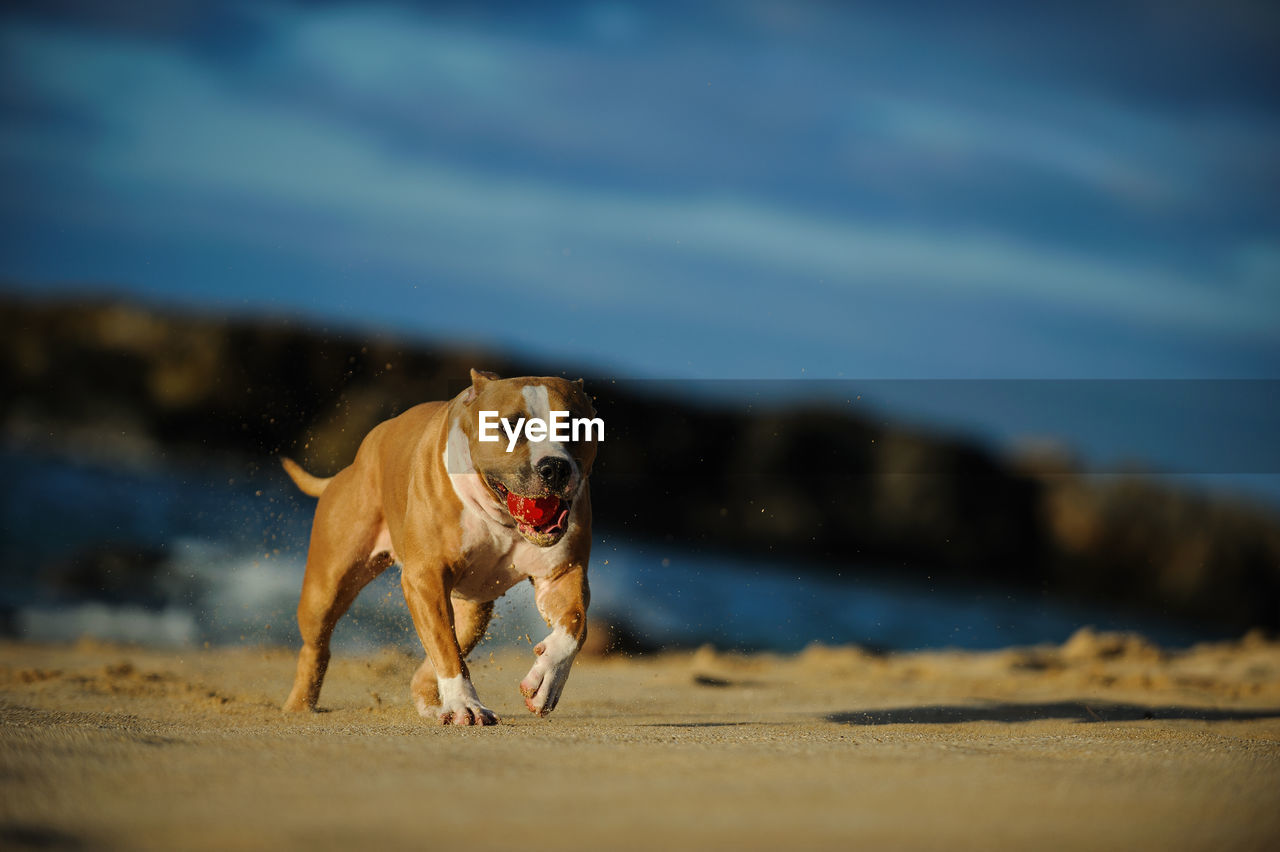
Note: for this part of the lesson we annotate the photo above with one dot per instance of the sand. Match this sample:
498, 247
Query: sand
1103, 743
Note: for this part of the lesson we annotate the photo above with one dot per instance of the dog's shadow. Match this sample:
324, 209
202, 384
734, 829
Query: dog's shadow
1077, 711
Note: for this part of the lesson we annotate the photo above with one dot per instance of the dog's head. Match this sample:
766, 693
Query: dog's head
546, 434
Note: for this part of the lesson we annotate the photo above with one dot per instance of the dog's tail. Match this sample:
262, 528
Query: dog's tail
312, 486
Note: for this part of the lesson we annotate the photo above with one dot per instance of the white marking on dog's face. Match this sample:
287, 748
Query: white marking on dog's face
539, 402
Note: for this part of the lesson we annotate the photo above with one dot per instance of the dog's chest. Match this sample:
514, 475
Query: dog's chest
496, 558
488, 581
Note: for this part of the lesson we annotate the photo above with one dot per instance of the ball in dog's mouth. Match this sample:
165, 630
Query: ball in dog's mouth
542, 520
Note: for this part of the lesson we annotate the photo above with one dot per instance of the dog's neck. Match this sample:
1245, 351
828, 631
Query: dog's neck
466, 480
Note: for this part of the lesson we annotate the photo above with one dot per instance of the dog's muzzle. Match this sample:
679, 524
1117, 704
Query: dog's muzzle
542, 519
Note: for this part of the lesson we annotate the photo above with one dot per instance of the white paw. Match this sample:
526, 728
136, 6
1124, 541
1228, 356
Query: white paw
543, 684
459, 705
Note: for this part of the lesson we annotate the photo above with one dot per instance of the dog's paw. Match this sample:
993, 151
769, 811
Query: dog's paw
543, 684
459, 705
468, 714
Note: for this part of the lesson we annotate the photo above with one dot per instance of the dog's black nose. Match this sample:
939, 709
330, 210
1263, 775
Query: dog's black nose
554, 471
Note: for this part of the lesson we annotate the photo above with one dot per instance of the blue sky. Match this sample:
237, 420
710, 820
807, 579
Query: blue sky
737, 189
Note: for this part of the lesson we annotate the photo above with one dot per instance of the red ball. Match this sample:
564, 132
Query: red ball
532, 510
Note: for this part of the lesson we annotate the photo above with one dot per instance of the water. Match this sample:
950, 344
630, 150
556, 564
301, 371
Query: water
181, 555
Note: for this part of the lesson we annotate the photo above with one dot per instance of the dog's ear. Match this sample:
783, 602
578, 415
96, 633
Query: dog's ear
479, 378
582, 388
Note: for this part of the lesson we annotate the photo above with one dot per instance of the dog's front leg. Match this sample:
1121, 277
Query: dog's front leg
432, 611
562, 599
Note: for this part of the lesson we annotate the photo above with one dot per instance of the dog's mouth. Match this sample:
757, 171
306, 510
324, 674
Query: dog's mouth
542, 520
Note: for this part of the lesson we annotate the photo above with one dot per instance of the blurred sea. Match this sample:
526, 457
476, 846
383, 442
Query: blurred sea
181, 555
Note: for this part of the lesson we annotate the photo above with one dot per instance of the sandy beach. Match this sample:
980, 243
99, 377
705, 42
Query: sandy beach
1105, 742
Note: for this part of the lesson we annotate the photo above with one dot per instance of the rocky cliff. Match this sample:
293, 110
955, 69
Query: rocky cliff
813, 484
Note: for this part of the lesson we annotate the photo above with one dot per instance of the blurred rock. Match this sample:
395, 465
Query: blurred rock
1125, 538
111, 573
606, 638
1086, 644
813, 485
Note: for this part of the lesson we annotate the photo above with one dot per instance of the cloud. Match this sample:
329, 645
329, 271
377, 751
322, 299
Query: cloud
227, 154
535, 96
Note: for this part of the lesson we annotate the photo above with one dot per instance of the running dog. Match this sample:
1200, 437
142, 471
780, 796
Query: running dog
466, 517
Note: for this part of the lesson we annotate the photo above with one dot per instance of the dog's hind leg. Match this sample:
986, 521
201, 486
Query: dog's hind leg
343, 558
470, 620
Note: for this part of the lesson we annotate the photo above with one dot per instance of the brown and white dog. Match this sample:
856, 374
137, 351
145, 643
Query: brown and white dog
467, 520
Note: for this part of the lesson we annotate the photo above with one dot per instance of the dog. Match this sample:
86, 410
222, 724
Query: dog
466, 519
